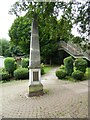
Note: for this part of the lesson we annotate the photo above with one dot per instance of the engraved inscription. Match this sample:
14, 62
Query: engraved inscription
35, 76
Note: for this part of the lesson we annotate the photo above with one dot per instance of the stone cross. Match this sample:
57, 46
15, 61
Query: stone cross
35, 86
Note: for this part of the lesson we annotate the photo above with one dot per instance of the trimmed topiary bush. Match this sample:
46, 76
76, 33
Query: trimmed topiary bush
21, 73
10, 65
4, 76
81, 64
62, 67
61, 73
68, 62
2, 70
25, 62
78, 75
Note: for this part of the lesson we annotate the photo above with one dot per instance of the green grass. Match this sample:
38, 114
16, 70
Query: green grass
69, 78
47, 68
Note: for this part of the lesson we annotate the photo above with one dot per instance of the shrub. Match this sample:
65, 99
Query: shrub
78, 75
68, 62
87, 74
42, 69
21, 73
61, 73
4, 76
25, 62
10, 65
81, 64
2, 70
62, 67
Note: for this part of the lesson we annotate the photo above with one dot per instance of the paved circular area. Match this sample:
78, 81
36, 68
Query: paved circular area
64, 99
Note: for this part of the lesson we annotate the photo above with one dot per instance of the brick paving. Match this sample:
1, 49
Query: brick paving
64, 99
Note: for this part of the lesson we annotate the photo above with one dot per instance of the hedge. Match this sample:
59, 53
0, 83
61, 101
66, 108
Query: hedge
21, 73
10, 65
62, 67
78, 75
68, 63
4, 76
61, 73
81, 64
25, 62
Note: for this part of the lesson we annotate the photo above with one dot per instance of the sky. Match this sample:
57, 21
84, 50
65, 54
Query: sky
6, 19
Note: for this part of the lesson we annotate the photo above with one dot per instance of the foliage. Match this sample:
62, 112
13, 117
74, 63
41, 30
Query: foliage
77, 39
85, 45
51, 30
81, 64
75, 11
10, 65
70, 78
8, 49
15, 50
61, 73
82, 19
87, 73
25, 62
4, 47
78, 75
4, 76
63, 31
2, 70
62, 67
19, 38
42, 69
21, 73
68, 62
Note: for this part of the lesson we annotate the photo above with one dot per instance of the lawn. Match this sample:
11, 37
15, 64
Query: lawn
47, 68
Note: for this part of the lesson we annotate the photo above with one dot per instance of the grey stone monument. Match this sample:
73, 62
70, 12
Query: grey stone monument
35, 86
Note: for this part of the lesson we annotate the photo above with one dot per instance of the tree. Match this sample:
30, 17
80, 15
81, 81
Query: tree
64, 29
51, 30
76, 11
8, 49
4, 47
49, 27
83, 19
15, 50
20, 33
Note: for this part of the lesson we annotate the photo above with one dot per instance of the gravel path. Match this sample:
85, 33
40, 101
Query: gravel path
64, 99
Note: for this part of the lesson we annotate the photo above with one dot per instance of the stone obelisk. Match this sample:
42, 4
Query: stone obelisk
35, 86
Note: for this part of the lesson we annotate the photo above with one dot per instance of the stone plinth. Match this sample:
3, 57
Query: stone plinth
35, 89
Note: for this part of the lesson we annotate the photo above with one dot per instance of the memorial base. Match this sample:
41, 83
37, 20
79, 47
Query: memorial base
35, 89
